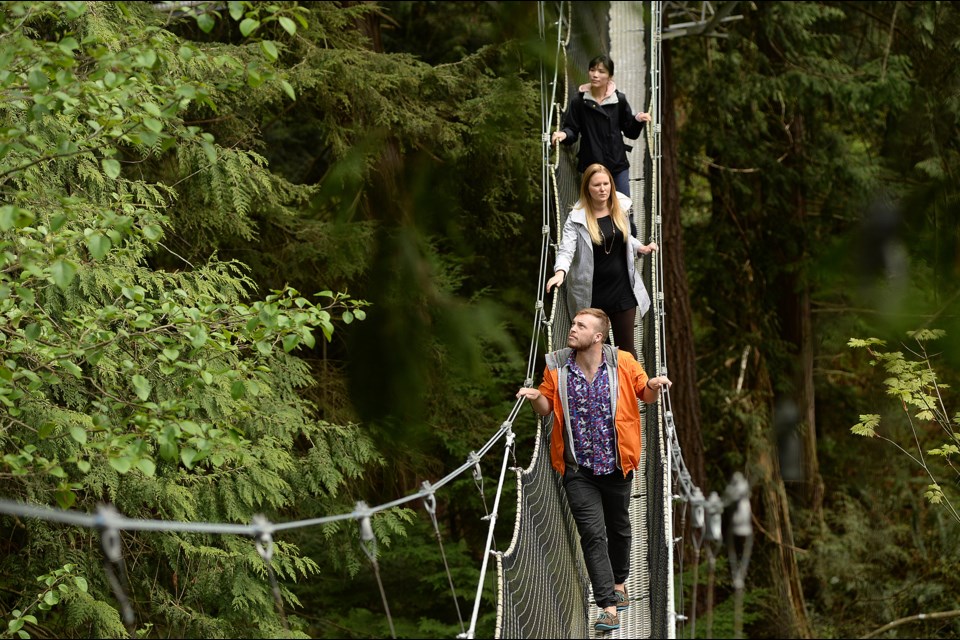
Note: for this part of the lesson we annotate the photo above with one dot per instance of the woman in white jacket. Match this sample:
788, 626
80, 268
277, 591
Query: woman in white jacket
597, 257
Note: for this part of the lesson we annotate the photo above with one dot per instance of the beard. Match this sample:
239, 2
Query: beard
576, 344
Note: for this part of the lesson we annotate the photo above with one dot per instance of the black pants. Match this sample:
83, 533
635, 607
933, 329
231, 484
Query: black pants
622, 324
600, 506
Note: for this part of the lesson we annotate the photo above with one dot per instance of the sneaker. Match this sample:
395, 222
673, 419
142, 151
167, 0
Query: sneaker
623, 601
607, 621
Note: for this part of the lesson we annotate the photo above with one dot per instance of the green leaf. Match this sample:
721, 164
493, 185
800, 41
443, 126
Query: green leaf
83, 466
75, 9
72, 367
98, 245
205, 22
867, 425
151, 108
168, 450
270, 50
147, 466
288, 25
37, 80
79, 434
32, 331
12, 216
65, 498
288, 89
236, 9
121, 465
68, 45
290, 342
198, 336
111, 167
186, 91
152, 232
308, 338
237, 389
81, 583
141, 386
210, 151
63, 272
147, 59
248, 26
187, 456
347, 317
153, 124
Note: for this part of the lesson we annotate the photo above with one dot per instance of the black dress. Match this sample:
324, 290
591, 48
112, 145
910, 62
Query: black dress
611, 284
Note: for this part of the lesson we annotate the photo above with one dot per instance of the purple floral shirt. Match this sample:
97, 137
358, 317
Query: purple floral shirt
591, 418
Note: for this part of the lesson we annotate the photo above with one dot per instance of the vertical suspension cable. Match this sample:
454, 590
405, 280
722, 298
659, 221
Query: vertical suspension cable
487, 550
563, 42
665, 414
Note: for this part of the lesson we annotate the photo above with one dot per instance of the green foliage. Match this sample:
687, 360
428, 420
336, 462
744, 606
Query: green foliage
172, 393
914, 383
790, 128
722, 618
879, 568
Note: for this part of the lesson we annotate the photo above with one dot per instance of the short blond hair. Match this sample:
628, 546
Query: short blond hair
600, 315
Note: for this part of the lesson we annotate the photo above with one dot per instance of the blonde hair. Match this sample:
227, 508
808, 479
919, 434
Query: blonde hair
600, 315
616, 213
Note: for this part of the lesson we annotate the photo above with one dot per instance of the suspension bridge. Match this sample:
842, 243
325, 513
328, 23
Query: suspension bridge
542, 586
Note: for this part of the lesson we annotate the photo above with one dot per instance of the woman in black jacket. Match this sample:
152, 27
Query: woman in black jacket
599, 116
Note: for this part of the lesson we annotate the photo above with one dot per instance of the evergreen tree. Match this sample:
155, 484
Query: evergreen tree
164, 385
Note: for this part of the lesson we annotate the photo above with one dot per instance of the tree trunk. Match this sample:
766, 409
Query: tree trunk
679, 320
774, 512
796, 412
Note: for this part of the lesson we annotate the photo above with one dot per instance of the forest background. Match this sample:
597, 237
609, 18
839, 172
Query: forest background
279, 257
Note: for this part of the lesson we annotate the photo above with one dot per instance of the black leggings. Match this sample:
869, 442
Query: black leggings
622, 324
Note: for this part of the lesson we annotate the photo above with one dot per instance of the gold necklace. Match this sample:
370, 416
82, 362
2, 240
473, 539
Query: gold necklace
603, 238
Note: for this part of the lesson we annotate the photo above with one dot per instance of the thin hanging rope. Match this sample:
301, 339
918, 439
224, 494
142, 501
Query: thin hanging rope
430, 504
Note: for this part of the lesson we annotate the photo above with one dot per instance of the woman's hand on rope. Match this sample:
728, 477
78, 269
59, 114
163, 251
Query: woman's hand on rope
643, 116
647, 248
556, 280
558, 136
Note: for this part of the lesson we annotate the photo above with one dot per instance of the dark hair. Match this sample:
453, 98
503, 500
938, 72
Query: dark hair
603, 59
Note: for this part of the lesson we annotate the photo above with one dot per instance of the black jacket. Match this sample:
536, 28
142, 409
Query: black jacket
600, 130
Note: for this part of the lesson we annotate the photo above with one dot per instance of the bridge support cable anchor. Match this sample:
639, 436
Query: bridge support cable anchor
713, 536
698, 525
264, 543
368, 542
107, 521
738, 494
430, 504
474, 459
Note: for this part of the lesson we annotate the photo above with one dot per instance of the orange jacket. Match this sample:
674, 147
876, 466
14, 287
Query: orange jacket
629, 384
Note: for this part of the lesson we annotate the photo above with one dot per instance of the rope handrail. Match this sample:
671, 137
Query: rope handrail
121, 522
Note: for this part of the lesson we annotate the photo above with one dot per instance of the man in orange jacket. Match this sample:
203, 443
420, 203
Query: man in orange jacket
592, 391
